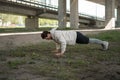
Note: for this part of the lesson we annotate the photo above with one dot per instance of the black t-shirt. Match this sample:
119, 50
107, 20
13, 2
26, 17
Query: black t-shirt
82, 39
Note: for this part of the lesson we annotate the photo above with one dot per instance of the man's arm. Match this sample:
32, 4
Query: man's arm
57, 48
62, 46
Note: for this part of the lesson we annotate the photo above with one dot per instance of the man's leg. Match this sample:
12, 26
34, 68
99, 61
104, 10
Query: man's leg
104, 44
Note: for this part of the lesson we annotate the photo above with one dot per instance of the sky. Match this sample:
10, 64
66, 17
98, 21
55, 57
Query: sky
89, 8
86, 7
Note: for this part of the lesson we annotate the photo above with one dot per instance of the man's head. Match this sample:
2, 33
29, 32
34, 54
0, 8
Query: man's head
46, 35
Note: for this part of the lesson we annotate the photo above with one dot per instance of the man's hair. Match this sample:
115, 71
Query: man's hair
44, 34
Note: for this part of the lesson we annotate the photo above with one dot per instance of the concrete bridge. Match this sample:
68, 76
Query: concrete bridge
35, 10
110, 6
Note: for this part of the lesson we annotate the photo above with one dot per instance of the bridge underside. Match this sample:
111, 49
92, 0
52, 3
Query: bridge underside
110, 6
35, 12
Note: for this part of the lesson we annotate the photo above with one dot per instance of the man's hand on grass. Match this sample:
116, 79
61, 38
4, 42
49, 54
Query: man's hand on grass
59, 54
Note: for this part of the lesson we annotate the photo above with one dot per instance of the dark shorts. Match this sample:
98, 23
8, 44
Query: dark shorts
81, 39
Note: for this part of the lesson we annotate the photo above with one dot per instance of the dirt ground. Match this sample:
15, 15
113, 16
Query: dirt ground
88, 63
101, 71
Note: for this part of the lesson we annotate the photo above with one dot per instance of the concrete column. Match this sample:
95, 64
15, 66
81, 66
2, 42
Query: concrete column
118, 17
74, 17
109, 14
31, 22
62, 13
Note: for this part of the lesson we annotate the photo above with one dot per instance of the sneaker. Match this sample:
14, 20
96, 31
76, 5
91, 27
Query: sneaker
105, 45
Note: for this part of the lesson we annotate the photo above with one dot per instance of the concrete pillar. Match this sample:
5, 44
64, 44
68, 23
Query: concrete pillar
31, 22
109, 14
118, 17
62, 13
74, 17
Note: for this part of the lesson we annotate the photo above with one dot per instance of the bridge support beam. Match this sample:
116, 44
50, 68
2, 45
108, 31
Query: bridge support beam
62, 13
31, 22
118, 17
109, 14
74, 17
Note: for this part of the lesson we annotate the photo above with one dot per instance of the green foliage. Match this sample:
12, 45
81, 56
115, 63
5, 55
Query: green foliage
15, 19
43, 21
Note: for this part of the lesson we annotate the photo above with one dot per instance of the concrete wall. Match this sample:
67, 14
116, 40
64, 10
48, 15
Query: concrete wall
100, 24
31, 22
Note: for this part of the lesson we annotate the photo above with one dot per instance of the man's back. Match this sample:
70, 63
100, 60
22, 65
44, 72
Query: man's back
68, 36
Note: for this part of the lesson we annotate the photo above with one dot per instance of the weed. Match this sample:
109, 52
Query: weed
14, 64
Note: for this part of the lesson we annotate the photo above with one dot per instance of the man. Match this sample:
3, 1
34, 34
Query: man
62, 38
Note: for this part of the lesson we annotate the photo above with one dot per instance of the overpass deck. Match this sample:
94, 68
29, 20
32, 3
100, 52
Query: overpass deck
35, 8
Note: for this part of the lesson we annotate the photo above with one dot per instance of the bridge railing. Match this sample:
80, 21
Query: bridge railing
51, 7
36, 4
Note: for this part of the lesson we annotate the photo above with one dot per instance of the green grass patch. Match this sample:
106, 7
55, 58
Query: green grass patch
109, 35
17, 54
79, 62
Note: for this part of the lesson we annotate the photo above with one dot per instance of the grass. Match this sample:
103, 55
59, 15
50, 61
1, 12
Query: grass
80, 62
14, 64
109, 36
10, 30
